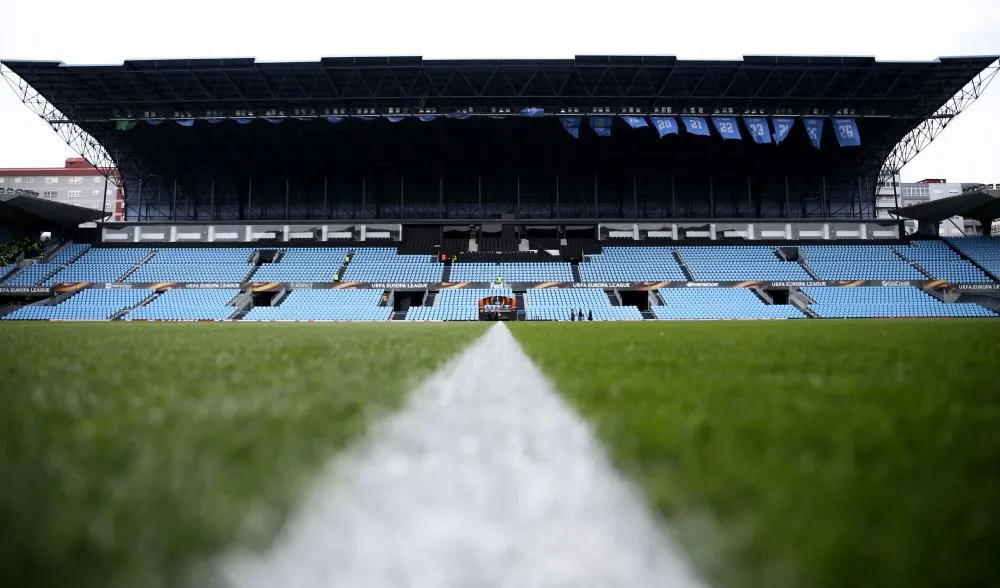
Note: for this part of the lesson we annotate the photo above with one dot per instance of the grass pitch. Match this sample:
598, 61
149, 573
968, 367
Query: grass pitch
802, 453
128, 451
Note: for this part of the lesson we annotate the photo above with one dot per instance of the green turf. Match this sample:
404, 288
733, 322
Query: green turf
812, 453
128, 451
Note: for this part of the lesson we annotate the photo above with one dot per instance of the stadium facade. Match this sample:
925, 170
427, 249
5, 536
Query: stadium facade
398, 187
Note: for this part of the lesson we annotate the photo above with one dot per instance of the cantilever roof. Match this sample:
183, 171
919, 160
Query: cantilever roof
905, 89
31, 211
974, 205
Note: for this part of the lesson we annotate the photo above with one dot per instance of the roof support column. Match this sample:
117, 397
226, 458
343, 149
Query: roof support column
173, 202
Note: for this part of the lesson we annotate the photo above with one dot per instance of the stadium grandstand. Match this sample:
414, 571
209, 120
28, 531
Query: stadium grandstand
397, 188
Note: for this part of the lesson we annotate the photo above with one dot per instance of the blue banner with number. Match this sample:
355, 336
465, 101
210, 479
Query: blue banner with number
847, 133
696, 125
665, 125
532, 112
727, 127
334, 119
427, 117
636, 122
814, 128
759, 129
601, 125
571, 124
395, 119
782, 126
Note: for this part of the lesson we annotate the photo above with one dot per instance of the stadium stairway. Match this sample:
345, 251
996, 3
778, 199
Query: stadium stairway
913, 264
684, 267
648, 315
398, 315
808, 270
801, 301
429, 298
522, 312
575, 268
343, 266
614, 297
118, 315
135, 267
764, 296
446, 274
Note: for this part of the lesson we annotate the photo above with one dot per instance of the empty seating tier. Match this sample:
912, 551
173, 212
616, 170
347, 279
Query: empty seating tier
858, 262
31, 275
983, 250
456, 304
68, 252
193, 304
303, 264
87, 305
512, 272
324, 305
941, 262
632, 264
383, 264
195, 264
556, 304
719, 303
738, 263
885, 302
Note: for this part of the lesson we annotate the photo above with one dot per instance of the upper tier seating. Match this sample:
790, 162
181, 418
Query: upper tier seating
303, 264
86, 305
100, 264
195, 304
940, 261
31, 275
512, 272
889, 302
555, 304
983, 250
858, 262
456, 304
195, 264
68, 252
719, 303
383, 264
740, 262
324, 305
632, 264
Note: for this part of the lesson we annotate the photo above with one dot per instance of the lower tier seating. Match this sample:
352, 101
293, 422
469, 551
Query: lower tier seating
873, 301
455, 305
324, 305
556, 304
719, 303
195, 304
86, 305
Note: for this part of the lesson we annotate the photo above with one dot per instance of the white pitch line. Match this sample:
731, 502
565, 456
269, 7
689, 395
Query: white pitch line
485, 479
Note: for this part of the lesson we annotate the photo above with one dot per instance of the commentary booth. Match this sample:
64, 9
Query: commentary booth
498, 308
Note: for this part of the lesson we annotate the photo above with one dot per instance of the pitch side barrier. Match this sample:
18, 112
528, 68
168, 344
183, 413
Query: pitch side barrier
436, 286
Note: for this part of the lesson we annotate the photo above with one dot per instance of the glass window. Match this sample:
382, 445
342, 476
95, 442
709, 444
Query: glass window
73, 193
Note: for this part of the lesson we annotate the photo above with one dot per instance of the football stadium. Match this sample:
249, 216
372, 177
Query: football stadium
601, 321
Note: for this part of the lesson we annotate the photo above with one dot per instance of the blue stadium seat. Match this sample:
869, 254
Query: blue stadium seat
456, 304
632, 264
191, 304
983, 250
324, 305
738, 263
86, 305
719, 303
384, 264
555, 304
858, 262
303, 264
941, 262
887, 302
195, 264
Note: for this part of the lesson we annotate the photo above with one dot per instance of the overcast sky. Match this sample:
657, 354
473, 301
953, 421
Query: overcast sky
108, 32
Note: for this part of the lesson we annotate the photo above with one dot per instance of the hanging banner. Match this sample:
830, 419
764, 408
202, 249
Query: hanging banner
782, 126
847, 133
367, 118
395, 119
665, 125
696, 125
532, 112
153, 121
427, 117
185, 122
458, 115
274, 119
571, 124
814, 128
334, 119
727, 127
636, 122
601, 125
242, 120
214, 120
759, 130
